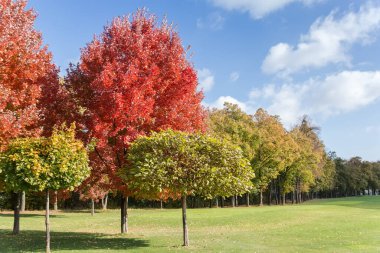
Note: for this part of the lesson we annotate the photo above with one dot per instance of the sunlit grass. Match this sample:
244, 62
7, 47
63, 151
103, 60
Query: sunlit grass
338, 225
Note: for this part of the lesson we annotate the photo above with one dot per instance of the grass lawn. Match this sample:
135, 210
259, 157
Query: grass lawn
337, 225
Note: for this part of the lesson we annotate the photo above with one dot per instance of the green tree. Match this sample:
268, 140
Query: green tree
178, 164
234, 125
44, 164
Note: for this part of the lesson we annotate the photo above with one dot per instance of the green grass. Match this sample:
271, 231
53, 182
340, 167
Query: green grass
337, 225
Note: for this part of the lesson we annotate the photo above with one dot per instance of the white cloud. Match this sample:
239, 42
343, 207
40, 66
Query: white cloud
258, 8
219, 103
214, 21
339, 93
327, 41
234, 76
205, 79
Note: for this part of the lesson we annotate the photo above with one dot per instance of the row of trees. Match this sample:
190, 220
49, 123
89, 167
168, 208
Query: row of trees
285, 162
356, 177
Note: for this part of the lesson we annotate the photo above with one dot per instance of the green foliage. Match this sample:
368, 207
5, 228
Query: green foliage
234, 125
170, 164
37, 164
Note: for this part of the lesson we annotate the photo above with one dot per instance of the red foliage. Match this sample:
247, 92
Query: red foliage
25, 65
132, 79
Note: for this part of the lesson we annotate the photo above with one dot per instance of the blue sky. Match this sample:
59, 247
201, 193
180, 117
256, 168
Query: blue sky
292, 57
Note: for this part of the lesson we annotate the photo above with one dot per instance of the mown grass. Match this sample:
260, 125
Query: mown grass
336, 225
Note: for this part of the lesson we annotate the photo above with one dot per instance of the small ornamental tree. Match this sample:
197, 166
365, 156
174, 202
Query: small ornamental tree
43, 164
180, 164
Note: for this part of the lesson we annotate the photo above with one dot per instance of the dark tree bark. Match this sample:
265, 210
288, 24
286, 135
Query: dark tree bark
55, 201
293, 195
222, 204
247, 198
161, 204
47, 223
184, 222
92, 207
104, 202
22, 209
270, 193
124, 214
16, 214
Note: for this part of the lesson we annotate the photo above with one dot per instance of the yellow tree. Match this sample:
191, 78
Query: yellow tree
269, 158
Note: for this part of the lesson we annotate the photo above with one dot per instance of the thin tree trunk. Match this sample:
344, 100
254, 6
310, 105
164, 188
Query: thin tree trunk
270, 194
124, 214
184, 222
217, 202
247, 198
292, 196
261, 197
16, 215
104, 202
161, 204
23, 202
236, 200
92, 207
233, 201
222, 204
47, 223
283, 199
55, 201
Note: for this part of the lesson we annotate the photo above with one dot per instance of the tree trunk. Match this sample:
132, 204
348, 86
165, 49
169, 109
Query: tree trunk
16, 215
124, 214
161, 204
184, 222
55, 201
217, 202
222, 204
247, 198
233, 201
293, 196
261, 197
104, 202
92, 207
23, 202
236, 200
270, 194
47, 223
283, 199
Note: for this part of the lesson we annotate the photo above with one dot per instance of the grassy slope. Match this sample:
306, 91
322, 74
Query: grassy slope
338, 225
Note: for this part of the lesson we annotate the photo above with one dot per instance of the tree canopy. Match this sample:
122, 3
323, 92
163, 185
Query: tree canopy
178, 164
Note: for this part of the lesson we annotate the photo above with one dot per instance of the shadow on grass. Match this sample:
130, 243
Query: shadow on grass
34, 241
31, 215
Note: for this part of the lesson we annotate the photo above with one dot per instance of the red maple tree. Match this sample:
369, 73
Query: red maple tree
133, 79
25, 65
25, 68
